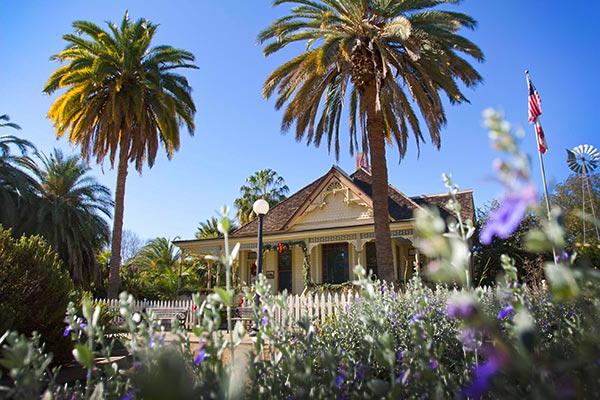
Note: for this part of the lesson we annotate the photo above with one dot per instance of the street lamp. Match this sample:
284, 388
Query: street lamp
260, 208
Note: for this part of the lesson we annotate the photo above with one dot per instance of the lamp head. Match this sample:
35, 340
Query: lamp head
260, 207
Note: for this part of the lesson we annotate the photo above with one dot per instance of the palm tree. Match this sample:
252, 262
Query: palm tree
209, 229
69, 213
380, 57
263, 184
122, 97
15, 184
159, 260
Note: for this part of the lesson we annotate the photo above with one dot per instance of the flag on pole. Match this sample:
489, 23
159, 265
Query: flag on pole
542, 146
534, 102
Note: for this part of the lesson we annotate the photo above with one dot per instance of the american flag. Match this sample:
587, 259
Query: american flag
534, 102
542, 146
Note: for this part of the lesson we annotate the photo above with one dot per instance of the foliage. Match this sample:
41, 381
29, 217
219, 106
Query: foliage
568, 196
15, 184
34, 288
69, 212
120, 96
486, 258
210, 229
263, 184
158, 271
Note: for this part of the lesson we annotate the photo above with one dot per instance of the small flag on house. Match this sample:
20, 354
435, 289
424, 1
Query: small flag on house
362, 162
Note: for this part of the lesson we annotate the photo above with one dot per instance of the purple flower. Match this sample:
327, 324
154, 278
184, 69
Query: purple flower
82, 326
264, 321
360, 372
468, 338
200, 357
562, 257
403, 377
67, 331
416, 317
505, 220
433, 363
130, 395
461, 308
482, 376
339, 381
505, 312
399, 355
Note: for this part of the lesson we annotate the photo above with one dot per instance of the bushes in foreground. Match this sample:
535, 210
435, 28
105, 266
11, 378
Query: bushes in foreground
34, 288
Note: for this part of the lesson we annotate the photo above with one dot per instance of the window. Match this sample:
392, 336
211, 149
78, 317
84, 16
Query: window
284, 269
335, 263
371, 256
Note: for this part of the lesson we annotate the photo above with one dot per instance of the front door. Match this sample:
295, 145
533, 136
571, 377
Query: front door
335, 263
284, 268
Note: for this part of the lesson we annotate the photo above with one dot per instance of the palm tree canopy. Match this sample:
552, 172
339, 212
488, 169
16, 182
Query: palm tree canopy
263, 184
70, 212
120, 92
158, 255
15, 185
410, 50
209, 229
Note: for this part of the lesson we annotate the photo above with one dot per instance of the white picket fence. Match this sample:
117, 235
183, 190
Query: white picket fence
314, 306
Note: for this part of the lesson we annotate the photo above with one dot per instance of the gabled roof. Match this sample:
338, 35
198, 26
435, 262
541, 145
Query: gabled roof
401, 206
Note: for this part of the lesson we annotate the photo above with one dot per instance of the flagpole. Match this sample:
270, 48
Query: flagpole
542, 169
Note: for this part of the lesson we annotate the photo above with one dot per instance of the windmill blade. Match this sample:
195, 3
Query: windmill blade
572, 162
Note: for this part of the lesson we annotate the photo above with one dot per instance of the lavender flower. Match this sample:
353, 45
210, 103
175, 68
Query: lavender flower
468, 338
67, 330
200, 357
399, 355
505, 312
264, 321
433, 363
130, 395
339, 381
505, 220
461, 307
483, 374
416, 317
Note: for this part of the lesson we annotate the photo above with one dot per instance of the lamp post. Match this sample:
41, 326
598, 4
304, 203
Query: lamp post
260, 208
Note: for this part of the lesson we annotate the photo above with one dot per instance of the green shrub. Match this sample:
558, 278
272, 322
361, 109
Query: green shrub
34, 288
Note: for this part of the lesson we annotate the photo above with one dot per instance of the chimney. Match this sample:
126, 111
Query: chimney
362, 162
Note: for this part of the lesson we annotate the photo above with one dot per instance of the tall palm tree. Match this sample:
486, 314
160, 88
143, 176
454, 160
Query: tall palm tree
69, 213
263, 184
209, 229
382, 58
15, 185
121, 97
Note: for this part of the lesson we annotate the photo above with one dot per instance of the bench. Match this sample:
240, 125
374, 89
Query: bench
245, 315
166, 315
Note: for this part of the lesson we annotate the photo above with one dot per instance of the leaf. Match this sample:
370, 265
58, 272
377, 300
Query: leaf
562, 282
83, 355
98, 393
225, 296
378, 387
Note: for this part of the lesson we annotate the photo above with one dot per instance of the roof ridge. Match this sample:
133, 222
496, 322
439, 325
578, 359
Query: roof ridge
441, 194
281, 202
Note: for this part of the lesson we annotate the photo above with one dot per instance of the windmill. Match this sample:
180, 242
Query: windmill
583, 160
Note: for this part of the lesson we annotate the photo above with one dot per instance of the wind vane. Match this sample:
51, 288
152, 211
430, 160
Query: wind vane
583, 160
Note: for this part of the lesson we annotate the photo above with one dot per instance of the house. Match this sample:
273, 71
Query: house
319, 233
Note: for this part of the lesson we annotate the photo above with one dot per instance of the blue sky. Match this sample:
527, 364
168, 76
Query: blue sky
238, 131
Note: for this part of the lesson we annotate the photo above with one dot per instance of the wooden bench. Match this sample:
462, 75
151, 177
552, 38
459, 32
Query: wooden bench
167, 315
245, 315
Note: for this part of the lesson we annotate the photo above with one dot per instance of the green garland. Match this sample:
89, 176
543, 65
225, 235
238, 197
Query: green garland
305, 263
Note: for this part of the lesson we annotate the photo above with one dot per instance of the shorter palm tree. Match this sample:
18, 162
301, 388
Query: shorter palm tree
209, 229
15, 185
263, 184
70, 212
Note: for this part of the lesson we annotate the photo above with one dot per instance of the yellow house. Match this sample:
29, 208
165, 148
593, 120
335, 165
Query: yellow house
319, 233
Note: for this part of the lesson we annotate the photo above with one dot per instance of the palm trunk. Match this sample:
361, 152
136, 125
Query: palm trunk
114, 280
379, 173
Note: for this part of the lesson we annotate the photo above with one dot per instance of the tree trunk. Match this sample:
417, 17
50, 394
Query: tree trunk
379, 173
114, 280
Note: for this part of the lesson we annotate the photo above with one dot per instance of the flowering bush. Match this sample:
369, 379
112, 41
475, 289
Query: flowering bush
442, 341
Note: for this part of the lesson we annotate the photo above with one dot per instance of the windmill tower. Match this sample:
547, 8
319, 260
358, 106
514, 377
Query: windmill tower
583, 160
